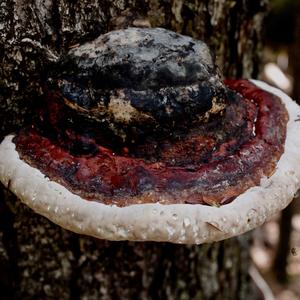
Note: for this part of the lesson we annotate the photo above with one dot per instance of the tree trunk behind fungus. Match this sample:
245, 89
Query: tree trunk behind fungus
39, 260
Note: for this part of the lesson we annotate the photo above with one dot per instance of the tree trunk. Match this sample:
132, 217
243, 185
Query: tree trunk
39, 260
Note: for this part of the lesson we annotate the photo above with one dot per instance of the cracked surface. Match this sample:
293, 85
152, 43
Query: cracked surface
140, 80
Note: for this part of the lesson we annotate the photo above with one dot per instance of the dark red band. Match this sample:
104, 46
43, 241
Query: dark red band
212, 164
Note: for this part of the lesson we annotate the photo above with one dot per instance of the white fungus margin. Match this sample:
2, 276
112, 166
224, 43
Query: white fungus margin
176, 223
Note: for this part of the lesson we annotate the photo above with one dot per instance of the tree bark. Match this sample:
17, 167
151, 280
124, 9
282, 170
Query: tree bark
39, 260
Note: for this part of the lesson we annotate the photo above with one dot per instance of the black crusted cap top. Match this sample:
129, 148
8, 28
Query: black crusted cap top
141, 80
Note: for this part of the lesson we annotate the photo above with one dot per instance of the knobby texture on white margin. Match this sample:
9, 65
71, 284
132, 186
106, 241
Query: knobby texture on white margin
176, 223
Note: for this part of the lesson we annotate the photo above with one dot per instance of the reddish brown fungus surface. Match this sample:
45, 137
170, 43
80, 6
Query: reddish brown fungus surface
211, 163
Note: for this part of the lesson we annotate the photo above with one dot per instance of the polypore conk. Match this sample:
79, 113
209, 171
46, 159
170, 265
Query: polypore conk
139, 139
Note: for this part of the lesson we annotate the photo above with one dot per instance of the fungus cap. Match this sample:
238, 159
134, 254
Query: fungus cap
176, 223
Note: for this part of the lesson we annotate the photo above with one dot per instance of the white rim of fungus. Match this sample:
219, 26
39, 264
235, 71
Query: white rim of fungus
176, 223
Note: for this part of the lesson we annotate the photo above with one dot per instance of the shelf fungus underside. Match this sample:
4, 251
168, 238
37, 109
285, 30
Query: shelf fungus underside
141, 116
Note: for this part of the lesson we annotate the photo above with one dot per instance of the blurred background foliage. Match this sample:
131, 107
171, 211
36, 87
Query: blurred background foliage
276, 250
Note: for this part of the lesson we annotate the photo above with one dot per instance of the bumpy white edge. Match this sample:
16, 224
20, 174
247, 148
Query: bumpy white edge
178, 223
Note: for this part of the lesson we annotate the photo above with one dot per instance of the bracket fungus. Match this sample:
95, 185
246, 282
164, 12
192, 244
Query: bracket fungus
139, 139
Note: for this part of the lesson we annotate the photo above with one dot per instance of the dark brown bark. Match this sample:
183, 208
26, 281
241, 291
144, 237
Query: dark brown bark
39, 260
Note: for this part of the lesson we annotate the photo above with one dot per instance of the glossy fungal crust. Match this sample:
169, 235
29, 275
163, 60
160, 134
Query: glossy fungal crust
177, 223
141, 116
212, 163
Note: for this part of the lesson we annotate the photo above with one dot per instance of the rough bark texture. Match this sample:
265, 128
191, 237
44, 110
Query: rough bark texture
39, 260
